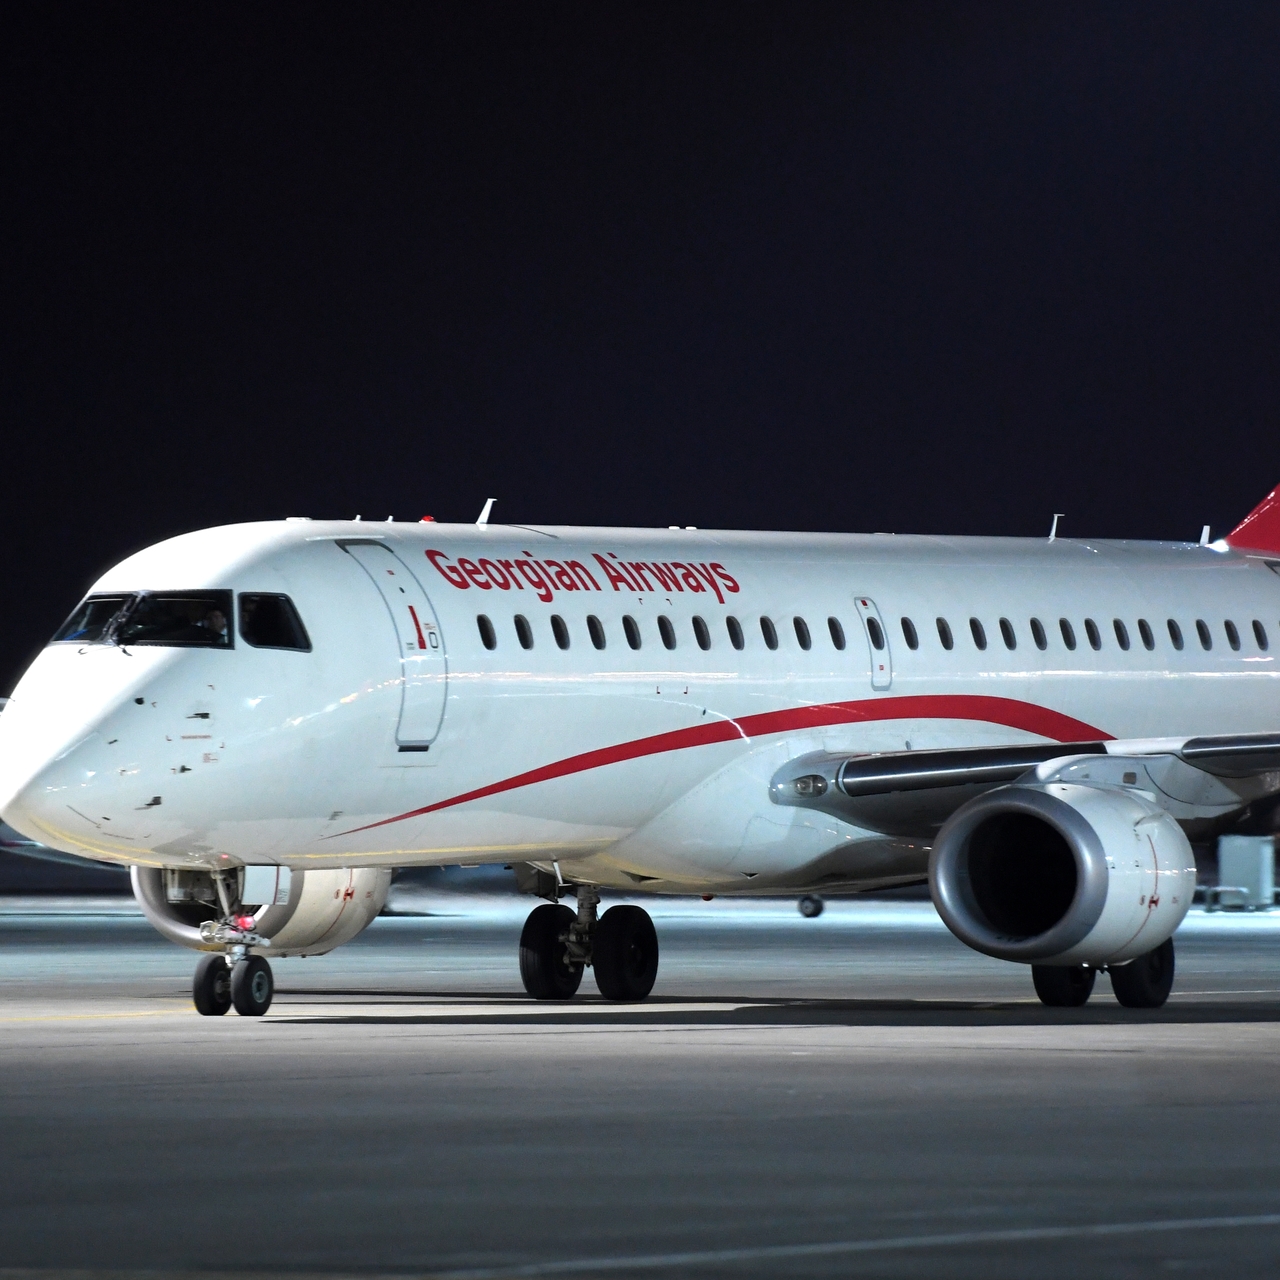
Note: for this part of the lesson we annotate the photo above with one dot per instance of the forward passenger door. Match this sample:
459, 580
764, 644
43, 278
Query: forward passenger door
423, 669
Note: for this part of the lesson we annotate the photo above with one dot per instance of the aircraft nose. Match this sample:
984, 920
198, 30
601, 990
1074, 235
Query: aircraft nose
73, 800
35, 799
51, 749
31, 749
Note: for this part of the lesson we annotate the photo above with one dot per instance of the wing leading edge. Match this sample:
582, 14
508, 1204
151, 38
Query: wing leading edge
912, 793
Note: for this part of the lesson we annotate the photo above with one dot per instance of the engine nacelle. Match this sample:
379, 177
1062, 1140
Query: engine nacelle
324, 910
1062, 873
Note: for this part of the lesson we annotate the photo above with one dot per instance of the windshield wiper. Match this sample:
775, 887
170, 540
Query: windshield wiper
111, 632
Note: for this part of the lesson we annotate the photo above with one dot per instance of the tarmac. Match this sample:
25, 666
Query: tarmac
856, 1095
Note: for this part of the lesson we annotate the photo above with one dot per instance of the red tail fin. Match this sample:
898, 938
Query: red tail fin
1260, 529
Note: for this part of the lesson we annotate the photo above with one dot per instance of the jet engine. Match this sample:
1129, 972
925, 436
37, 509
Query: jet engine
324, 908
1062, 874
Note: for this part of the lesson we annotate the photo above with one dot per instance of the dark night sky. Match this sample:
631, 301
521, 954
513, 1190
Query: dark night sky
906, 267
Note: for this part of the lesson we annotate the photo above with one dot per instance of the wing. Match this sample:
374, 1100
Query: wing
912, 793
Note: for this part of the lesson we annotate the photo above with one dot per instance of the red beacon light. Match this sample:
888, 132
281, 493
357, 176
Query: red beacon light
427, 520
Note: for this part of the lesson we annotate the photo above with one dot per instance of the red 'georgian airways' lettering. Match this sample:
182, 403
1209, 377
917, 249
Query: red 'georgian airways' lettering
545, 577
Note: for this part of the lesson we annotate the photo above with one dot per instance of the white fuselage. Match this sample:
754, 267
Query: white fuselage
400, 738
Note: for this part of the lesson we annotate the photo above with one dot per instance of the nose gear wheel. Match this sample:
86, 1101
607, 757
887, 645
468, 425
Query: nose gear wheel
211, 988
252, 987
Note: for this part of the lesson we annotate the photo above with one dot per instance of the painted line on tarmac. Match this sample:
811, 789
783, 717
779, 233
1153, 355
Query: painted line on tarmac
299, 1012
834, 1248
83, 1017
689, 1258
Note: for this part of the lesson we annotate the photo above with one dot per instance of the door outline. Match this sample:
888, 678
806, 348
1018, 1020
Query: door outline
881, 659
424, 666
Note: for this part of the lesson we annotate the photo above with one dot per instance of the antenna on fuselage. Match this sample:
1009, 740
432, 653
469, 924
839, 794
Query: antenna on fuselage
1204, 536
1053, 528
484, 515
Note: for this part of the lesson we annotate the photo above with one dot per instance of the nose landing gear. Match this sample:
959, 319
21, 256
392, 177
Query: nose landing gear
234, 977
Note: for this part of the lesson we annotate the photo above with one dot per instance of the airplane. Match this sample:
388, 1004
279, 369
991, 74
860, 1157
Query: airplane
263, 720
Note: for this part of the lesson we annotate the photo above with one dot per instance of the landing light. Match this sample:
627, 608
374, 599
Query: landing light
813, 784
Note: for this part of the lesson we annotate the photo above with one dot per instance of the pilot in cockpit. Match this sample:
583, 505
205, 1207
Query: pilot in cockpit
215, 621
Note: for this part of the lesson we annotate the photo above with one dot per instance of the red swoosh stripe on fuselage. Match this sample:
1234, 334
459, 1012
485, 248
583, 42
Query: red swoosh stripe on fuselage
1003, 711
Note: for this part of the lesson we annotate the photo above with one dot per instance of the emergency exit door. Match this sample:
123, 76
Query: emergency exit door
877, 642
423, 668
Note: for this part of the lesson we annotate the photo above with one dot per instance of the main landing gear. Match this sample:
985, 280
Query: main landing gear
558, 943
234, 976
1143, 983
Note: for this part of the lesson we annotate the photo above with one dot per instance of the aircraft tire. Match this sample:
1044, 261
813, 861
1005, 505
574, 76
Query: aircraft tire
211, 987
1145, 983
625, 954
1063, 986
542, 967
252, 987
810, 906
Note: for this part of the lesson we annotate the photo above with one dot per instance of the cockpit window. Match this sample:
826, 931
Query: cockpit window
181, 619
187, 619
271, 622
88, 624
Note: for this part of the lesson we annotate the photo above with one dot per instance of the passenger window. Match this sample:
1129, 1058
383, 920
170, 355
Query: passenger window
1068, 633
944, 634
1006, 634
1095, 636
1202, 630
1260, 635
1233, 636
1175, 634
488, 637
1122, 634
1038, 635
266, 622
770, 635
1144, 630
909, 634
734, 628
803, 639
837, 632
524, 632
595, 629
701, 634
876, 632
560, 631
631, 630
666, 631
978, 632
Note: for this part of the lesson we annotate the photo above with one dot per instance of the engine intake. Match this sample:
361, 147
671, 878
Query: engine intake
1062, 873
